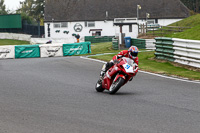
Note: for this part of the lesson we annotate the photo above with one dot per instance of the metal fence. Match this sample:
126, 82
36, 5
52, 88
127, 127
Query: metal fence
158, 30
32, 29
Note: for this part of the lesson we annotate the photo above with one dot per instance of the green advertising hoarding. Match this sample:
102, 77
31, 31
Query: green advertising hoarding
76, 48
27, 51
10, 21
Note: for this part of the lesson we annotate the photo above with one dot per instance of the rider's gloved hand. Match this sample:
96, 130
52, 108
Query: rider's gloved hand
115, 61
136, 69
119, 56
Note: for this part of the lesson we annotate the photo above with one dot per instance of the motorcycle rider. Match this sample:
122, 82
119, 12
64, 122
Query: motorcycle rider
131, 53
77, 37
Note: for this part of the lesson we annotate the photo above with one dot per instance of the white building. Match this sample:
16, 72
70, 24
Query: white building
96, 17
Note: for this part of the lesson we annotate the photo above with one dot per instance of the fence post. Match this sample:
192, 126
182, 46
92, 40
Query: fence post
146, 29
143, 29
38, 28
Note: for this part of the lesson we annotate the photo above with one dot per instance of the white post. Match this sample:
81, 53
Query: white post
138, 8
147, 16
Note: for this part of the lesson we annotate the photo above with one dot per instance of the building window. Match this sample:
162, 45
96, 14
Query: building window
56, 25
98, 33
130, 28
150, 21
156, 21
90, 24
64, 24
95, 32
60, 25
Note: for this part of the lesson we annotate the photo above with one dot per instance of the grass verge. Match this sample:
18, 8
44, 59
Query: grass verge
12, 42
148, 63
193, 33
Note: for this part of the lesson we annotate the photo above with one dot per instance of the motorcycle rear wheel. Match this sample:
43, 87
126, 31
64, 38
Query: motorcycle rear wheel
116, 85
98, 86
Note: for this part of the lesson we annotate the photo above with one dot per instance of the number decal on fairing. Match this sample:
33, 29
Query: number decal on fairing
127, 66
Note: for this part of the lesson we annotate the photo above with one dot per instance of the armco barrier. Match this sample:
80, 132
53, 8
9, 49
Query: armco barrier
182, 51
115, 44
7, 52
27, 51
150, 44
164, 48
51, 50
187, 52
76, 48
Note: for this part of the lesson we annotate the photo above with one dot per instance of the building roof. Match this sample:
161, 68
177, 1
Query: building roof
95, 10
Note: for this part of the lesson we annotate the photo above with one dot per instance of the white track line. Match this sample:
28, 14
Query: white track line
190, 81
92, 59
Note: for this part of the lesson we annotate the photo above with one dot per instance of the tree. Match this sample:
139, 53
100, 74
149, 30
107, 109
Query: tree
197, 5
26, 7
25, 11
2, 8
192, 4
33, 9
38, 9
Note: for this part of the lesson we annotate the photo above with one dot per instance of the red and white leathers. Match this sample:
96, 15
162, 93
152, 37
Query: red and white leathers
125, 53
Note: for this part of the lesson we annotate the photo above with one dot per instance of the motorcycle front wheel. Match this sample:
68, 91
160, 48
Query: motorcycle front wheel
99, 87
116, 85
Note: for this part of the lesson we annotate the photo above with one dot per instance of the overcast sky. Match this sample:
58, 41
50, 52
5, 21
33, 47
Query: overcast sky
12, 4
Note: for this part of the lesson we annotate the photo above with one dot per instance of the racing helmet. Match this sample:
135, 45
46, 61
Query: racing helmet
133, 52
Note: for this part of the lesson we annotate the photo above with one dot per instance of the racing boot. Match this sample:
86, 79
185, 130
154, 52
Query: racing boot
103, 71
105, 67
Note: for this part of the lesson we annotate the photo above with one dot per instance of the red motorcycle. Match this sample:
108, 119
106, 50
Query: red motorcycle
119, 74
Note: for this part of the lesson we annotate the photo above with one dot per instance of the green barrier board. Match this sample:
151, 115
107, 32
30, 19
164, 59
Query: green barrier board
10, 21
76, 48
98, 39
27, 51
115, 44
140, 43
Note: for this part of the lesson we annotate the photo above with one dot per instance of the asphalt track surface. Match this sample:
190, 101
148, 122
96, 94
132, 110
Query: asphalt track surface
57, 95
